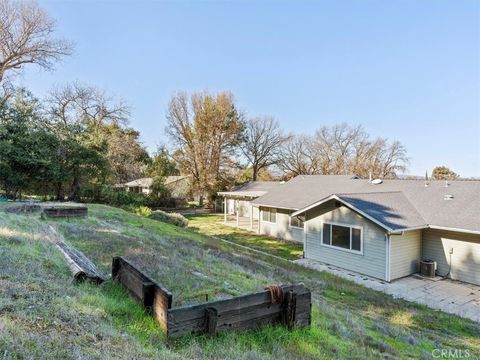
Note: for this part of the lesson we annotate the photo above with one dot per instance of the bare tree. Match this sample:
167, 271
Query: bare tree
342, 149
79, 116
85, 105
261, 144
205, 130
298, 156
27, 37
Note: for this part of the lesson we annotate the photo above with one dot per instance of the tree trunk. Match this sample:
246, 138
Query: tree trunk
75, 190
60, 194
254, 172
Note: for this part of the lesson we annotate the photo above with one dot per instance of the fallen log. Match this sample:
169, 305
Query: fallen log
80, 266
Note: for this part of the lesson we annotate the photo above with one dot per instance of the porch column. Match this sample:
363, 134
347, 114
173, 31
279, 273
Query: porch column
259, 216
225, 209
251, 216
236, 208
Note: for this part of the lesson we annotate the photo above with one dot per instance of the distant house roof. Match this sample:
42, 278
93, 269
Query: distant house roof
398, 204
148, 181
172, 179
251, 190
143, 182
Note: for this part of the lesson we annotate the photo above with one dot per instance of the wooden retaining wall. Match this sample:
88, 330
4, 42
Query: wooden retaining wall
244, 312
152, 296
65, 211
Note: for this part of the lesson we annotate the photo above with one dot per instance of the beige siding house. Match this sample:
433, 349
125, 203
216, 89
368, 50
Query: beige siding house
381, 229
180, 186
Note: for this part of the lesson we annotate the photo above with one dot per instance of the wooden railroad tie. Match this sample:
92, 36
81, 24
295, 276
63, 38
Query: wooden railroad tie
278, 304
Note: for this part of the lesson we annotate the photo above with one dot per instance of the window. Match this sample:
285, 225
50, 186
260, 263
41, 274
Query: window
326, 234
269, 215
295, 221
342, 236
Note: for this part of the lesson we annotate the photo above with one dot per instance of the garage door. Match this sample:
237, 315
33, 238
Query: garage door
454, 252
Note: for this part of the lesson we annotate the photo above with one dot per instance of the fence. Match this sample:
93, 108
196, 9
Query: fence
286, 304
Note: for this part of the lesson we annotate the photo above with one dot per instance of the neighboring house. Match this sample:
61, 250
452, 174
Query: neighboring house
237, 202
139, 186
382, 229
179, 186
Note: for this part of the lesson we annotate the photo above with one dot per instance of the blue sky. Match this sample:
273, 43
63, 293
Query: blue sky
406, 70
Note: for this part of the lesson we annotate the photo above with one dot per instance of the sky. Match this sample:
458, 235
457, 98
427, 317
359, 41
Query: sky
404, 70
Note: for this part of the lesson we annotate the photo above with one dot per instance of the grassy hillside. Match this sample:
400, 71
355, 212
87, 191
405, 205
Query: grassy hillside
211, 224
43, 315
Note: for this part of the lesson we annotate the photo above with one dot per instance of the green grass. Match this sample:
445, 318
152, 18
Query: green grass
212, 225
43, 315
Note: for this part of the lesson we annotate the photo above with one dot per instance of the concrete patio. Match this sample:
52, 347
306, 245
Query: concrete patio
450, 296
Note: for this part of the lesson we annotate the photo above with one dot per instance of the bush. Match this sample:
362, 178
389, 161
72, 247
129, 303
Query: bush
171, 218
143, 211
106, 195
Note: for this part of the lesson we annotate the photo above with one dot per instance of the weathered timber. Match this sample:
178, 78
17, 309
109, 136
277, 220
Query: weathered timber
65, 211
80, 266
23, 208
152, 296
291, 306
243, 312
211, 320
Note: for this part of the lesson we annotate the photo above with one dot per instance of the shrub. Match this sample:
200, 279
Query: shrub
171, 218
143, 211
106, 195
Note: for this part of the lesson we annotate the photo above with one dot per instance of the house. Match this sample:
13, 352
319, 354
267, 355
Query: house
378, 228
139, 186
179, 186
237, 202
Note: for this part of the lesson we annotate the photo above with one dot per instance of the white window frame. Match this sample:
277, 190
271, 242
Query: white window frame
338, 247
293, 226
269, 210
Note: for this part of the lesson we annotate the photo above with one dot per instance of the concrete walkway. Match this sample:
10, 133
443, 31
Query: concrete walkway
450, 296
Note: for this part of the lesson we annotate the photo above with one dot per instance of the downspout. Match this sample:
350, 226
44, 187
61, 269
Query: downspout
388, 256
305, 229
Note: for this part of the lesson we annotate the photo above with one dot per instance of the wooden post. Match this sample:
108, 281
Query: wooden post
290, 309
259, 219
211, 318
225, 209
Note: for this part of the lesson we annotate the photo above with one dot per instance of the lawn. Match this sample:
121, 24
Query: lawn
43, 315
213, 225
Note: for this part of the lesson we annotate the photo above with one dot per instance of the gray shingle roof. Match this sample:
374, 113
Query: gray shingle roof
252, 189
389, 208
461, 212
257, 186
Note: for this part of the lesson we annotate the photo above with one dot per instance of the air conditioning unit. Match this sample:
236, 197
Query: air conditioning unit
428, 268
